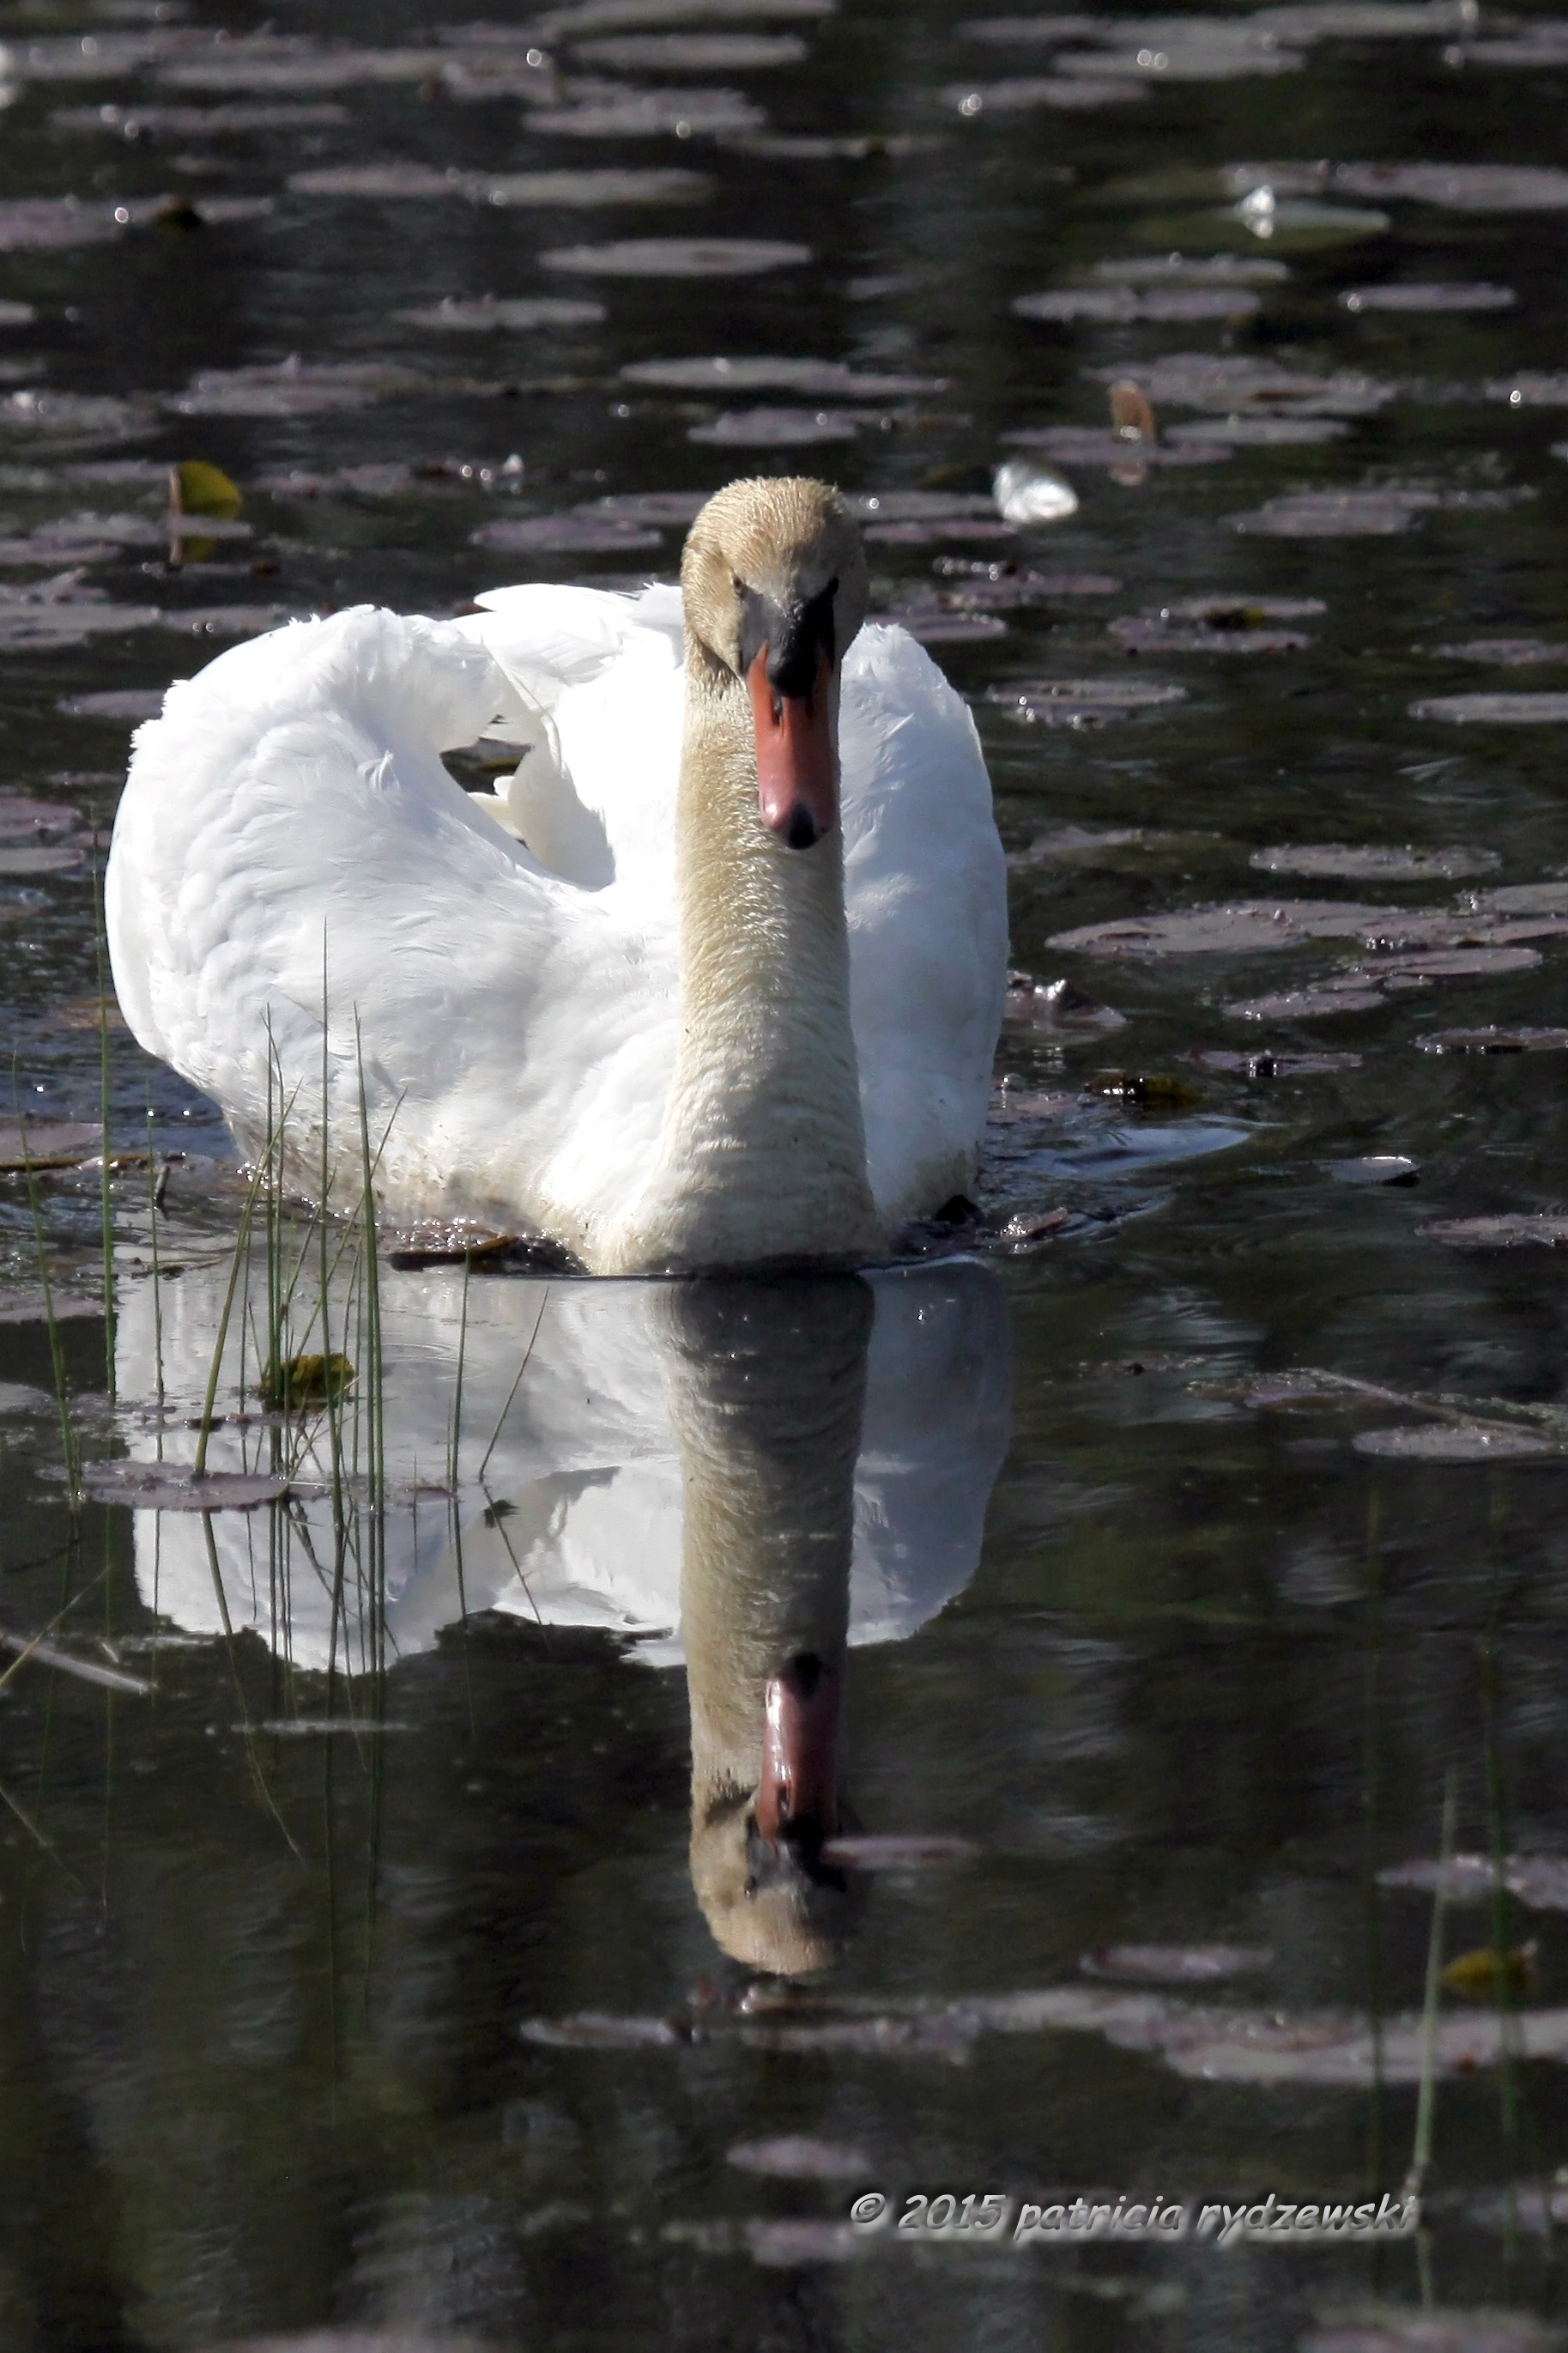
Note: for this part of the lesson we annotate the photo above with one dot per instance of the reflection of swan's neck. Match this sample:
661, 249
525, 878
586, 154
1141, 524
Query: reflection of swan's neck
764, 1149
765, 1384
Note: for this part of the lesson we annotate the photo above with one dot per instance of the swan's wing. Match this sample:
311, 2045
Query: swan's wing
926, 884
595, 796
291, 801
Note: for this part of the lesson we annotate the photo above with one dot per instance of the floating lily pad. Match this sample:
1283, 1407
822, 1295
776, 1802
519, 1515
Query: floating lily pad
777, 428
1084, 446
489, 315
1022, 94
1266, 1064
555, 189
1336, 514
1224, 632
1192, 270
1225, 433
1456, 963
129, 703
1455, 1442
693, 52
1372, 862
1084, 702
676, 256
1306, 1003
797, 2157
1174, 1965
1461, 187
1532, 389
918, 506
196, 122
292, 388
650, 506
579, 534
1539, 1880
1375, 1168
827, 379
46, 1142
624, 112
1120, 306
1494, 710
1509, 1230
1228, 381
24, 820
173, 1487
1494, 1040
1442, 297
946, 628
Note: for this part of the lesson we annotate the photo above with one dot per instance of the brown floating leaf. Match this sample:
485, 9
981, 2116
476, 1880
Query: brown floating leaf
1482, 1975
173, 1487
867, 1853
1131, 417
1457, 1442
796, 2157
1174, 1964
1507, 1231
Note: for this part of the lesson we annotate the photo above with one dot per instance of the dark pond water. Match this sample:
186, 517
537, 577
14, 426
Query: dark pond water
362, 1969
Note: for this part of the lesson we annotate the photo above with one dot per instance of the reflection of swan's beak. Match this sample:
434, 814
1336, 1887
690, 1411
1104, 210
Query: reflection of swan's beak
797, 1796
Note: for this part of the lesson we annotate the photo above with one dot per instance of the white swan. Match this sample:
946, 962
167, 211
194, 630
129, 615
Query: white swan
732, 998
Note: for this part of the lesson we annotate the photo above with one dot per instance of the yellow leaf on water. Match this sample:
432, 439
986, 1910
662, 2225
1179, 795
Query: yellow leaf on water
1480, 1975
305, 1380
197, 488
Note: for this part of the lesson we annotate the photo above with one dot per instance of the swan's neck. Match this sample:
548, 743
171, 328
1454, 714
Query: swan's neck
762, 1154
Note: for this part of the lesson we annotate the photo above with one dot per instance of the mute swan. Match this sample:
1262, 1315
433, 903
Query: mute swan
732, 998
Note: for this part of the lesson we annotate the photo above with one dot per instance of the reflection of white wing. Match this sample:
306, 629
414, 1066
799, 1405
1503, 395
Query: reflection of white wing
577, 1517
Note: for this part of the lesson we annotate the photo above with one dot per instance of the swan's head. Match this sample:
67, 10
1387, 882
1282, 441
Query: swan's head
776, 588
770, 1899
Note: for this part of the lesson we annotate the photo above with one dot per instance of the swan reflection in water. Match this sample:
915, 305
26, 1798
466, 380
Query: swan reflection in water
747, 1475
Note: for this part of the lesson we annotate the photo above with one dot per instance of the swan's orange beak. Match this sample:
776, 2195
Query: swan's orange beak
797, 1796
797, 777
